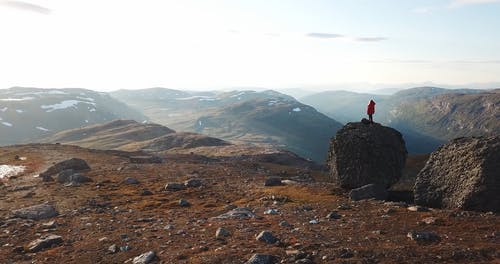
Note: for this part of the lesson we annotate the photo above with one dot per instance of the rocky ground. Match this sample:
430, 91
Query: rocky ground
114, 219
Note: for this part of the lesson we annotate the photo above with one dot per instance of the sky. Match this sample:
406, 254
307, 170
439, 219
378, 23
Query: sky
218, 44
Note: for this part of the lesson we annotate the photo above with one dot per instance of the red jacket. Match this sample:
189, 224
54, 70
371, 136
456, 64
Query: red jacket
370, 110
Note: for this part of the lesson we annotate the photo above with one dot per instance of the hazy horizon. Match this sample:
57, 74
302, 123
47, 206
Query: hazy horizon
219, 45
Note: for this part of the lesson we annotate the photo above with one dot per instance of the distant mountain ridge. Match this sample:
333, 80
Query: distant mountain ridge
27, 114
426, 116
266, 117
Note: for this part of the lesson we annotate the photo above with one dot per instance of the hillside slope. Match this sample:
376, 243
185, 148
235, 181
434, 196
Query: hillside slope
266, 117
27, 114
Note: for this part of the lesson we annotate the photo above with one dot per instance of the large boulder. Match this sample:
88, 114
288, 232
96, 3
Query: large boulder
463, 174
75, 164
362, 154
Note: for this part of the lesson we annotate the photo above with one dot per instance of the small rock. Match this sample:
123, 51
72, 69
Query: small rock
267, 237
423, 236
130, 180
431, 221
36, 212
273, 181
237, 213
222, 233
50, 224
174, 187
125, 248
262, 259
168, 227
146, 192
193, 183
285, 224
47, 242
418, 208
314, 222
271, 212
113, 248
333, 215
144, 258
344, 207
184, 203
369, 191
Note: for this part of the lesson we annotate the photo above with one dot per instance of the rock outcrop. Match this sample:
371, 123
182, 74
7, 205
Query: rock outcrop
75, 164
463, 174
362, 154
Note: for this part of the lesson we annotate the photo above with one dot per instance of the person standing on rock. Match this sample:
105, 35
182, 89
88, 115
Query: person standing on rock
370, 110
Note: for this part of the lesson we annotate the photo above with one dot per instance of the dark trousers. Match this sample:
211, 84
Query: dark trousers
371, 118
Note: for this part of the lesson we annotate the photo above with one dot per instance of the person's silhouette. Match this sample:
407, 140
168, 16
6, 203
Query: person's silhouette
370, 110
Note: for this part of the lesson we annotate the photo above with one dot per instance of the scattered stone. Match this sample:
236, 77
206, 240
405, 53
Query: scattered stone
271, 212
273, 181
267, 237
418, 208
184, 203
462, 174
238, 213
168, 227
346, 253
431, 221
262, 259
314, 222
388, 210
130, 180
423, 236
193, 183
369, 191
75, 164
144, 258
174, 187
145, 159
125, 248
113, 249
344, 207
333, 215
36, 212
146, 192
43, 243
363, 154
285, 224
222, 233
50, 224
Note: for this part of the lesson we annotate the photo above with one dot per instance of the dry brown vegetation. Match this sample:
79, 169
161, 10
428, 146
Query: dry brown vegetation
106, 211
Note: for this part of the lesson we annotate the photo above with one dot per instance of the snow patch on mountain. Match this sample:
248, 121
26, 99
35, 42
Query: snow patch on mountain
42, 128
17, 99
4, 109
7, 124
297, 109
64, 104
19, 111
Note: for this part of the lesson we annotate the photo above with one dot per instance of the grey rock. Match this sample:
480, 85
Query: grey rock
144, 258
125, 248
237, 213
43, 243
362, 154
273, 181
130, 180
193, 183
184, 203
73, 177
417, 208
463, 174
369, 191
267, 237
423, 236
222, 233
36, 212
271, 212
75, 164
262, 259
285, 224
113, 248
174, 187
333, 215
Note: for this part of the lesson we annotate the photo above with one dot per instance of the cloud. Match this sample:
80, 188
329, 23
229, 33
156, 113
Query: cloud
25, 6
423, 10
459, 3
324, 35
370, 39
